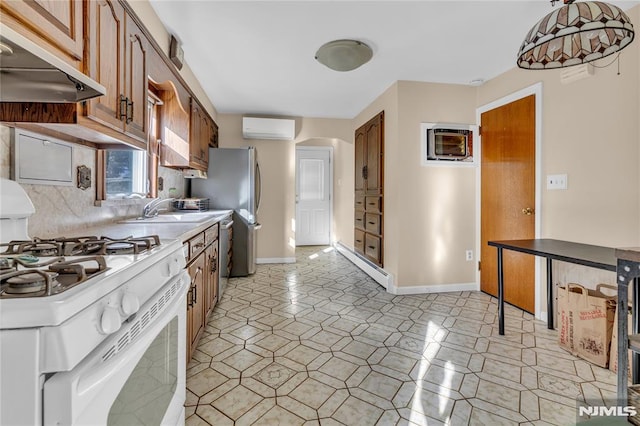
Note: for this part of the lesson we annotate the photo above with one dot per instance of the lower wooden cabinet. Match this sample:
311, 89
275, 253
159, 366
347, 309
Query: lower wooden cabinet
195, 302
202, 264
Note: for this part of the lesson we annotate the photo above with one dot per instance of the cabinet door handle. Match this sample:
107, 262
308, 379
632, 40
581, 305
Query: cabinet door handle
371, 247
129, 111
365, 172
123, 108
194, 287
190, 297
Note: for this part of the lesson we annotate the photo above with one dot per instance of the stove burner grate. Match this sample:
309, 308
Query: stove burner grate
59, 276
79, 246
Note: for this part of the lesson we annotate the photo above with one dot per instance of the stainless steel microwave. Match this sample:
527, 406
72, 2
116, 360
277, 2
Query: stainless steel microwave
450, 144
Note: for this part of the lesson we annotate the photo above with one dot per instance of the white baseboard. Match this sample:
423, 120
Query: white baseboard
443, 288
263, 260
379, 275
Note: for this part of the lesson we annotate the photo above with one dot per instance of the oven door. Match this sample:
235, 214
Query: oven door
137, 376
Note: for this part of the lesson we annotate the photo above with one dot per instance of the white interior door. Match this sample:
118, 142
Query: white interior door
313, 196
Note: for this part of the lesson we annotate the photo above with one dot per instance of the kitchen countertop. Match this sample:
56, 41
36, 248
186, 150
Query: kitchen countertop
166, 231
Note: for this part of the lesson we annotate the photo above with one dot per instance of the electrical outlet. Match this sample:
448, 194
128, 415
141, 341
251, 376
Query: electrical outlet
469, 255
557, 181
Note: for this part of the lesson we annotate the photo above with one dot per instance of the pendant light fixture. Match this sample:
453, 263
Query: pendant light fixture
576, 33
344, 55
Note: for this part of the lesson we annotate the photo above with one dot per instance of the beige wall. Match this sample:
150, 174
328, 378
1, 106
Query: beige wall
387, 102
276, 239
429, 218
436, 203
590, 132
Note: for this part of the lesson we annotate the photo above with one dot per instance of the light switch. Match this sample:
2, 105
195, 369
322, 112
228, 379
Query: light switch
557, 181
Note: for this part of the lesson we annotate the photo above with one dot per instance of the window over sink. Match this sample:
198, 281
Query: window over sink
126, 174
129, 173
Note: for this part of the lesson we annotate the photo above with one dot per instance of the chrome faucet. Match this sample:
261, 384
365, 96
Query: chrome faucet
151, 209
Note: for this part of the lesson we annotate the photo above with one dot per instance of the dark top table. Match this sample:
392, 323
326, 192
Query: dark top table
566, 251
628, 273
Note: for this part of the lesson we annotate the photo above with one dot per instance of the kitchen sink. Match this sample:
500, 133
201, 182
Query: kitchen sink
176, 217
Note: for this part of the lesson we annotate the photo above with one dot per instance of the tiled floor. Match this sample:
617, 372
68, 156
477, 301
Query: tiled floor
318, 342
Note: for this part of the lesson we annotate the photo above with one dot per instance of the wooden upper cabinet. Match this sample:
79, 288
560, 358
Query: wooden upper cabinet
213, 136
106, 27
199, 137
136, 83
56, 25
117, 59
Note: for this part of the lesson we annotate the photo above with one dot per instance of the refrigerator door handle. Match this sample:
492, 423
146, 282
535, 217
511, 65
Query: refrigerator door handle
258, 188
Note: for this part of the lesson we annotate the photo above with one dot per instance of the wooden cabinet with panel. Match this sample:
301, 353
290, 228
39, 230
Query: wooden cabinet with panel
199, 137
211, 273
195, 302
369, 185
193, 151
117, 59
55, 25
115, 56
203, 266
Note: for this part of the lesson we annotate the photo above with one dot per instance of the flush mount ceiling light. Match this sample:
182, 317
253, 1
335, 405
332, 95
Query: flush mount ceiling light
344, 55
575, 34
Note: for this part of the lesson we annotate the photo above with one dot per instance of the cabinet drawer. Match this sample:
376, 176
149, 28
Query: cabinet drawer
359, 220
373, 204
196, 245
372, 247
358, 241
359, 202
372, 223
211, 234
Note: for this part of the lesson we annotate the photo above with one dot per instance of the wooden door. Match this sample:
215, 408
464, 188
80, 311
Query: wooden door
105, 25
507, 191
373, 136
58, 22
135, 80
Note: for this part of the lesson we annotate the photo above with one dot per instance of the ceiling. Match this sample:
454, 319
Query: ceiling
257, 57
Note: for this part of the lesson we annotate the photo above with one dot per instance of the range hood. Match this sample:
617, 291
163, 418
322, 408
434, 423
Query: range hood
29, 73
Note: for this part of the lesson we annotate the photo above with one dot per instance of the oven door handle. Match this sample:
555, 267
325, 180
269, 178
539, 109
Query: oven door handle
71, 397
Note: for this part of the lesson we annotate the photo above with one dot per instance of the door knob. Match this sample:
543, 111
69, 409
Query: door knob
528, 211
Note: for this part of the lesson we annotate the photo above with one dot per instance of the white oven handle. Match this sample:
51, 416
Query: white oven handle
84, 395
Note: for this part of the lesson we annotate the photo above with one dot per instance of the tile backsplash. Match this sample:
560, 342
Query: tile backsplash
61, 209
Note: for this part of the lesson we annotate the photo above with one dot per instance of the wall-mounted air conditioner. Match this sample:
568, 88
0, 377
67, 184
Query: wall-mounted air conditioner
268, 128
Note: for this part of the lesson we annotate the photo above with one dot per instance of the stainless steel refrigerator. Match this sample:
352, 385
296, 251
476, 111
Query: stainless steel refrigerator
233, 183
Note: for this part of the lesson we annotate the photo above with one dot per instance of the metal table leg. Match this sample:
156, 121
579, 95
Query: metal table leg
500, 294
623, 335
550, 312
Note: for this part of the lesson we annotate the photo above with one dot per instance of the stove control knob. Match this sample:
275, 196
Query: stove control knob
174, 267
129, 304
110, 320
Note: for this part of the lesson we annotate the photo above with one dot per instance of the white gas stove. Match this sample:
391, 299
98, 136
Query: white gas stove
79, 321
